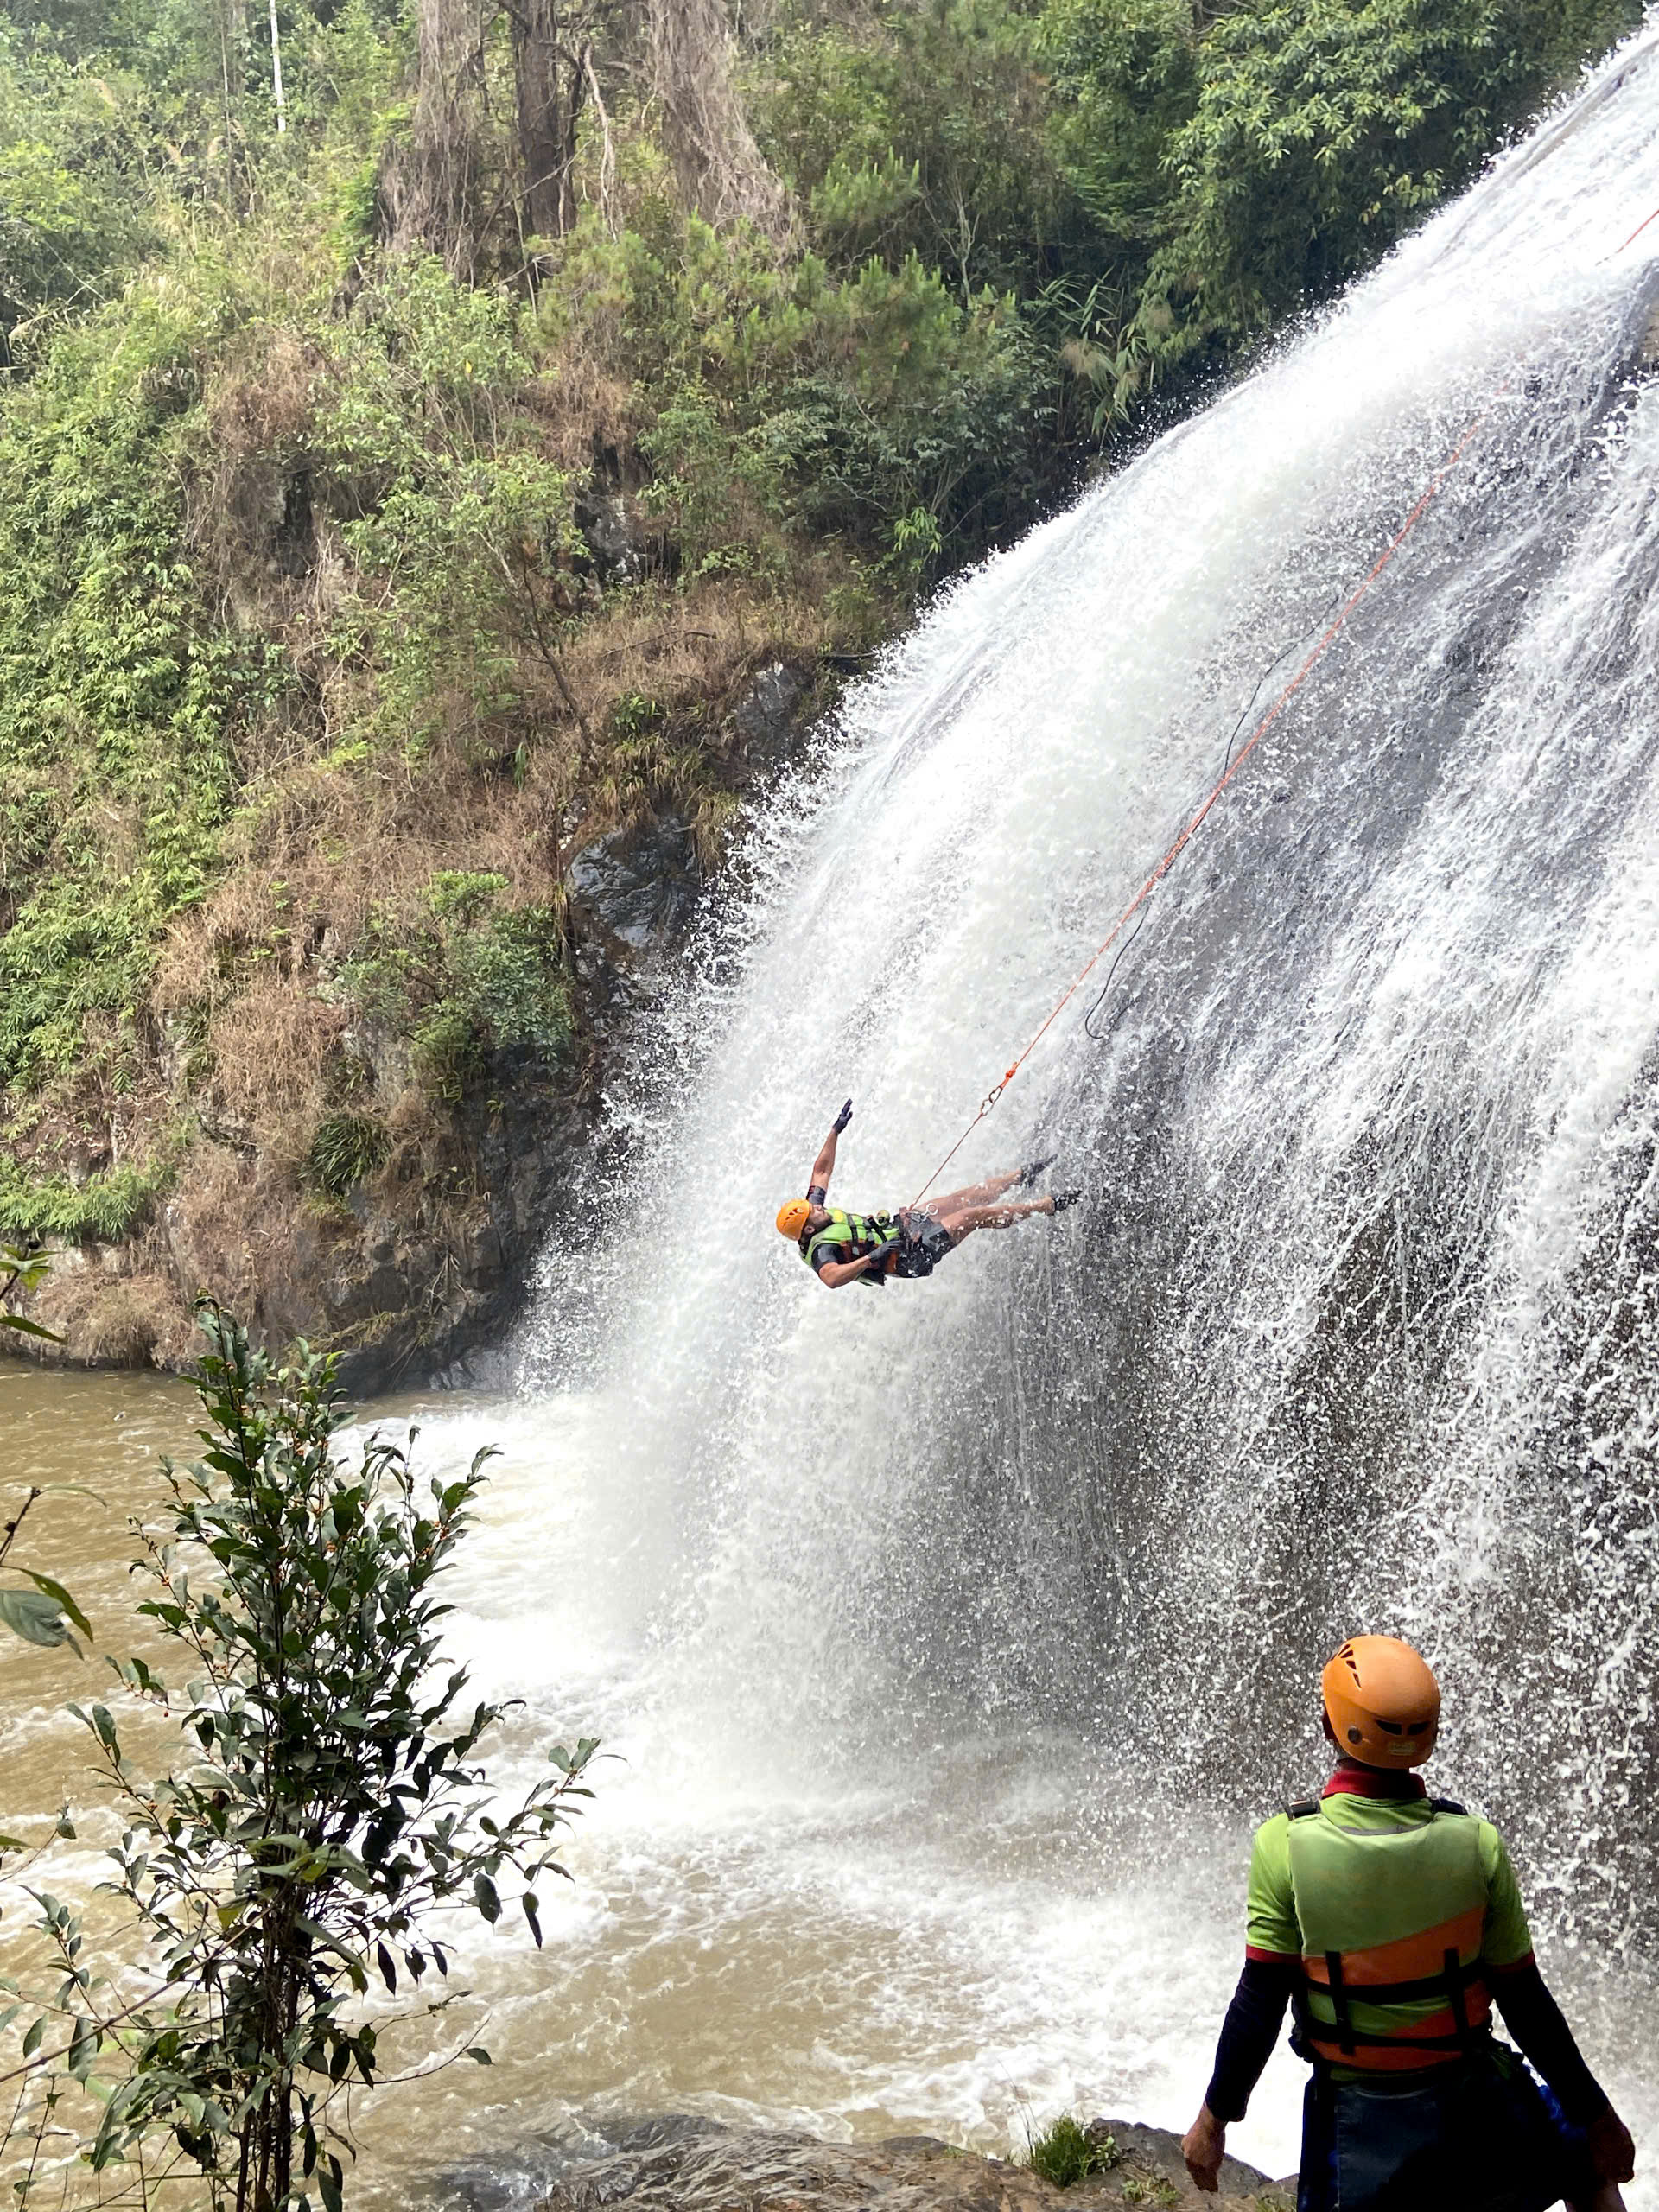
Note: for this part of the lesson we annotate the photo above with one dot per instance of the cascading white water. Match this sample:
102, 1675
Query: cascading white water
989, 1607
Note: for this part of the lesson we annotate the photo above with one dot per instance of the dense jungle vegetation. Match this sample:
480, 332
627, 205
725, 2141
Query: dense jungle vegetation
421, 418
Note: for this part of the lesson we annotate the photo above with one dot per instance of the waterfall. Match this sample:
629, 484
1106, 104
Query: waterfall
1356, 1328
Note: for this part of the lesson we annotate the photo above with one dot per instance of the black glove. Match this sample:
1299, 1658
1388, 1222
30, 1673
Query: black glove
887, 1246
842, 1118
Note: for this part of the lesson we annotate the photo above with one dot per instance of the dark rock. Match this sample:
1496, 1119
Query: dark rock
612, 533
768, 719
1155, 2153
639, 885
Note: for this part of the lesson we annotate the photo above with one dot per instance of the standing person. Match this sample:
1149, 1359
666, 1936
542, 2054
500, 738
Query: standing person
1391, 1920
842, 1247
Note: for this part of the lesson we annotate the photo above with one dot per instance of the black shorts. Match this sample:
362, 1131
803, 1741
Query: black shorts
923, 1242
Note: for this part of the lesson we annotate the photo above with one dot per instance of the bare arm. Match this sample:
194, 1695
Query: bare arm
824, 1165
834, 1273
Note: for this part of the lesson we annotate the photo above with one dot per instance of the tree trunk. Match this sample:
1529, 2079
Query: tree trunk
719, 166
427, 186
276, 72
548, 77
232, 62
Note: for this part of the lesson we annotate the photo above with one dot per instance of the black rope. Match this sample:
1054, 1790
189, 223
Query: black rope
1099, 1036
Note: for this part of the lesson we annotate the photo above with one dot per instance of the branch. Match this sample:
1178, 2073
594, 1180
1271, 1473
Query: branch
548, 652
608, 157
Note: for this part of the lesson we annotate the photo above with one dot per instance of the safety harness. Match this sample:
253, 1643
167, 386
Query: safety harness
1361, 1953
849, 1236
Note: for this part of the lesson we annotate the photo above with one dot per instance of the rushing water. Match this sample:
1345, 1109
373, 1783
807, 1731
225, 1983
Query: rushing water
952, 1638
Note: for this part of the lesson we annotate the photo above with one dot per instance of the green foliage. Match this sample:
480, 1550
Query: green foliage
116, 685
76, 202
634, 716
330, 1806
451, 505
1066, 2153
343, 1149
1127, 74
1323, 130
104, 1209
920, 132
481, 978
791, 401
462, 894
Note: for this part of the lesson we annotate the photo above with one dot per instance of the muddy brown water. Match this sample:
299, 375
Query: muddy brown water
967, 1943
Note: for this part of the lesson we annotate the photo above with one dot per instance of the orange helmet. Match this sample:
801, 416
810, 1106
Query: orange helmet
792, 1216
1383, 1701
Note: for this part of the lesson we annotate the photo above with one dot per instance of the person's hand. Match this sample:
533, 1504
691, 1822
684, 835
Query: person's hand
842, 1118
1612, 2152
1203, 2147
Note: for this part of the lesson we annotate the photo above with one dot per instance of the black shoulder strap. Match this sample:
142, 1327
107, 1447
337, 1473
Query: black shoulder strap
1301, 1809
1449, 1805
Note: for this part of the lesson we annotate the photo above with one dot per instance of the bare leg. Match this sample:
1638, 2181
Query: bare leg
973, 1194
963, 1221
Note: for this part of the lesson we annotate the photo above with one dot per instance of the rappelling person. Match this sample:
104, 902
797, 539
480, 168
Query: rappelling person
842, 1248
1391, 1921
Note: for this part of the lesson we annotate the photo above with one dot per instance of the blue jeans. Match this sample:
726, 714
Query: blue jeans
1482, 2136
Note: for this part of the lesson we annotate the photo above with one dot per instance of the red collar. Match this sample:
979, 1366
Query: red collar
1353, 1780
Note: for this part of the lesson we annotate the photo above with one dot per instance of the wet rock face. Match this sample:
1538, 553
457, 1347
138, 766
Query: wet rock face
639, 885
683, 2164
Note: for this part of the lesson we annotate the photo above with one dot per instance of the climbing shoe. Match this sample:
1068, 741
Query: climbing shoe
1064, 1198
1031, 1174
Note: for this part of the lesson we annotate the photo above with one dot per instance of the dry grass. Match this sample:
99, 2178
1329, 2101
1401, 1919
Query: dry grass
268, 1050
583, 407
260, 401
111, 1317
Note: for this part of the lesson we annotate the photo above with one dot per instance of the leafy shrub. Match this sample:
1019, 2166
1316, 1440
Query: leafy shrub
1065, 2153
461, 894
480, 979
343, 1149
512, 979
921, 133
447, 1048
104, 1209
297, 1592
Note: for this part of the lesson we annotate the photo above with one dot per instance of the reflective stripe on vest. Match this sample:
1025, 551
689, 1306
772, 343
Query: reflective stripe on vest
1391, 1925
849, 1236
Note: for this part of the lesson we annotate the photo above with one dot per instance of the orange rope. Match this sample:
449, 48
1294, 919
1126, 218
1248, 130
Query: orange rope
987, 1104
1635, 234
990, 1101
